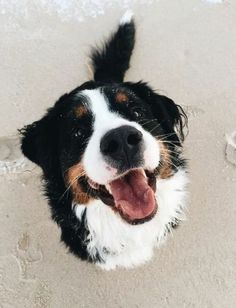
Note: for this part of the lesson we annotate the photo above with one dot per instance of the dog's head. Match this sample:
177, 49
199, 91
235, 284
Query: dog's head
109, 142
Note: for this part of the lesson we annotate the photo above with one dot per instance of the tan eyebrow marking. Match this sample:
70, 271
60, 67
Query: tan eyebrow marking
81, 111
121, 97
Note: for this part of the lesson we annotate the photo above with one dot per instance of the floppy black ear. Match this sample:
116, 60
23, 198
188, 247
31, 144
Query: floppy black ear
171, 116
40, 139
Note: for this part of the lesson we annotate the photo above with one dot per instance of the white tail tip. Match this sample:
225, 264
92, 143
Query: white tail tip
127, 17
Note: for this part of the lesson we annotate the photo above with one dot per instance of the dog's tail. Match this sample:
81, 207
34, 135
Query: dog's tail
112, 60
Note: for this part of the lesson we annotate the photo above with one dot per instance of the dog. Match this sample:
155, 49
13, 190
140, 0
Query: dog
111, 156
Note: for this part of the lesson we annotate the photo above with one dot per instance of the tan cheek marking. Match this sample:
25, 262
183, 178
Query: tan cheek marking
121, 97
165, 170
79, 196
80, 111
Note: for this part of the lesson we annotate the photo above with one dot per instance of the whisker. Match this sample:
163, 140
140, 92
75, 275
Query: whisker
165, 135
68, 169
158, 125
168, 160
170, 163
71, 184
147, 121
172, 151
171, 143
170, 157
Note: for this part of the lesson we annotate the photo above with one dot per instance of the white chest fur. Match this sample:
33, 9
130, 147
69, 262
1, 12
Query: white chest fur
121, 244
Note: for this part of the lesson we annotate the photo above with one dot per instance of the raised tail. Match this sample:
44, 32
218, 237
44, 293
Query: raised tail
112, 61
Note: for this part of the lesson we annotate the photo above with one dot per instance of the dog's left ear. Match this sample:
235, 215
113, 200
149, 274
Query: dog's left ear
171, 116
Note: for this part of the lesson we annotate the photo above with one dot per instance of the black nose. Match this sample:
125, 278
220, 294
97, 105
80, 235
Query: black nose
123, 145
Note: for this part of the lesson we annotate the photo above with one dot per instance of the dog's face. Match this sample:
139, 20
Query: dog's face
108, 142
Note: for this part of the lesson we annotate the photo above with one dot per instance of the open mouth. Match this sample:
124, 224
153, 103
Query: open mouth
132, 195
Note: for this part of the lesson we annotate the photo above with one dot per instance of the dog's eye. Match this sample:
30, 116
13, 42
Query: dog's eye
137, 113
78, 134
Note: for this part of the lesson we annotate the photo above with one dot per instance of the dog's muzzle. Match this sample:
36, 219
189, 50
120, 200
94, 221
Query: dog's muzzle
123, 148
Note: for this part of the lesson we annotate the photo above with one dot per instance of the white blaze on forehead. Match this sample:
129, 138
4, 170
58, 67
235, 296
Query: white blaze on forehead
104, 118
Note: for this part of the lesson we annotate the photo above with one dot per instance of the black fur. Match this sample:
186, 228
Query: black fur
54, 143
168, 114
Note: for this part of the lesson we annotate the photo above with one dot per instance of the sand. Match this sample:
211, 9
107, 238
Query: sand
187, 50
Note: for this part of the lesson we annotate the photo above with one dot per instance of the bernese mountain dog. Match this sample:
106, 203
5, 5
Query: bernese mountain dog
110, 152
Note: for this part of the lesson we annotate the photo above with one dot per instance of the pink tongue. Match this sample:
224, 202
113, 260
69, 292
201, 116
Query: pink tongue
133, 196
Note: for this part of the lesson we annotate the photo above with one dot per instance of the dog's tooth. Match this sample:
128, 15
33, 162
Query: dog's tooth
108, 188
144, 173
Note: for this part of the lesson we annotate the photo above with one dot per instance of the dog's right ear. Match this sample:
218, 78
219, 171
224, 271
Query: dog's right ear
37, 141
40, 139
